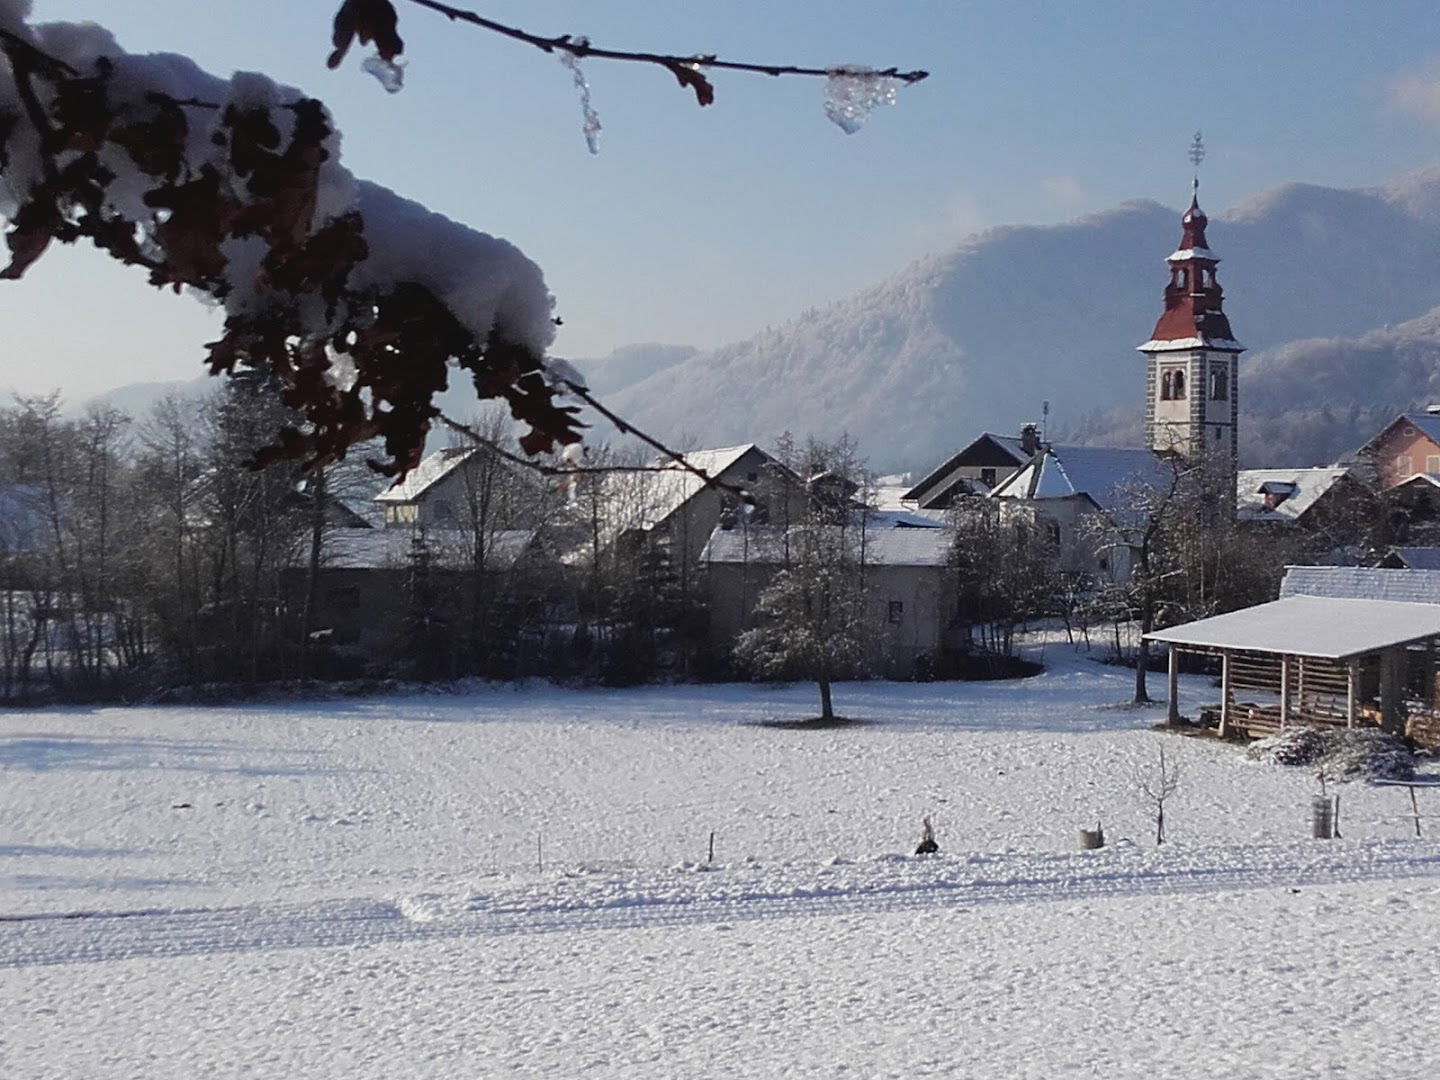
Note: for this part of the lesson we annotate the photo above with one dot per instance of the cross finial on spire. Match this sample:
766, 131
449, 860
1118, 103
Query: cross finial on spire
1197, 155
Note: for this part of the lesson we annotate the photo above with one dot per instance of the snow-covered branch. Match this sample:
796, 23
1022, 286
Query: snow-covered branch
354, 301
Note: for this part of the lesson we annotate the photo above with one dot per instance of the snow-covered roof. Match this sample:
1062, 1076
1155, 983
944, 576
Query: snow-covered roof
1203, 342
1186, 254
1362, 583
1321, 626
389, 549
906, 518
1427, 423
427, 474
671, 486
1306, 486
884, 545
1429, 479
938, 477
1418, 558
1103, 473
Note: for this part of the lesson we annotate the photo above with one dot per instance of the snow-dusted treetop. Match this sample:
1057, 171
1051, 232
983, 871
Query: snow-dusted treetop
354, 300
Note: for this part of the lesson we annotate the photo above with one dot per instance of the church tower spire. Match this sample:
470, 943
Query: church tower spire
1192, 357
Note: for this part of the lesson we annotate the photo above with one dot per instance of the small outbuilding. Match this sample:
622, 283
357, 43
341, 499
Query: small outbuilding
1342, 646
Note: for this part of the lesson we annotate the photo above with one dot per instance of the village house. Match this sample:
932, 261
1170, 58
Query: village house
909, 589
975, 470
433, 494
674, 509
1333, 509
1078, 495
1407, 447
366, 580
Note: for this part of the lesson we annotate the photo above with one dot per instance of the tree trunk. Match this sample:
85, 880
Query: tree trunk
827, 711
1142, 656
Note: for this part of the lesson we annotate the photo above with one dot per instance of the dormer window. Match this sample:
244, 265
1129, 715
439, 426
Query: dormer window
1275, 492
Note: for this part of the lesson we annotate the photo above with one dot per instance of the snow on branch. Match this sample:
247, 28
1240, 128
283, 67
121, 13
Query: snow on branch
353, 301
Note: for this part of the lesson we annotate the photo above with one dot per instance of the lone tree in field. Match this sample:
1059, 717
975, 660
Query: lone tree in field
810, 618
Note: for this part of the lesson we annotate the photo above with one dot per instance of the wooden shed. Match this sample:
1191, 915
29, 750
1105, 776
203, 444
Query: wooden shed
1318, 660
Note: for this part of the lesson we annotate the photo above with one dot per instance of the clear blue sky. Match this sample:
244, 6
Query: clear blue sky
701, 226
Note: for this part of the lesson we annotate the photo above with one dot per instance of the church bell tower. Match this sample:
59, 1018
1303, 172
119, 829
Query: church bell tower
1192, 357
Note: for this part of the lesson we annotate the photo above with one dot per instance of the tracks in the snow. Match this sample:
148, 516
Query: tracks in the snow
91, 937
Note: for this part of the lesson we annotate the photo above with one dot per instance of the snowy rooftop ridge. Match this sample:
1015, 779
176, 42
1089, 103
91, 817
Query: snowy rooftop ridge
1362, 582
884, 545
1186, 254
392, 549
434, 468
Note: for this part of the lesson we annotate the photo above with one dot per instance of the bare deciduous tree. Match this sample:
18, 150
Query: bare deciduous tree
1155, 783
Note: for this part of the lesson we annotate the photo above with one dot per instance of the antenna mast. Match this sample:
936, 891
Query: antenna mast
1196, 155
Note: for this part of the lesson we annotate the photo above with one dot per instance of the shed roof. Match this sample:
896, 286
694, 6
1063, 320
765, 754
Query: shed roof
1362, 583
1323, 626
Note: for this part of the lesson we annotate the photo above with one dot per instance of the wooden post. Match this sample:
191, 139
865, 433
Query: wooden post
1352, 690
1284, 690
1392, 679
1172, 711
1226, 693
1300, 687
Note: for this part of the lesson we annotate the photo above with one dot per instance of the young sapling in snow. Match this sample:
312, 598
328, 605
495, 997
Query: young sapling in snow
1156, 783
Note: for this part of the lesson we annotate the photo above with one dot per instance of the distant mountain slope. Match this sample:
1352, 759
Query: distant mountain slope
978, 337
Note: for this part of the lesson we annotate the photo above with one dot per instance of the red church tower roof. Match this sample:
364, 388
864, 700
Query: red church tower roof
1194, 316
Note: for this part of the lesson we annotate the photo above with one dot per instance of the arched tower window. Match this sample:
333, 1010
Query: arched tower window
1219, 384
1167, 386
1178, 386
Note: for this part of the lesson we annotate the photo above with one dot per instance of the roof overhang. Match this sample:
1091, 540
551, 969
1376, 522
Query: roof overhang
1319, 626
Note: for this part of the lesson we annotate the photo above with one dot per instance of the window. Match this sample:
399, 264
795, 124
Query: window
404, 514
1052, 533
1402, 464
1219, 384
1432, 463
1179, 386
987, 477
896, 611
1172, 385
751, 477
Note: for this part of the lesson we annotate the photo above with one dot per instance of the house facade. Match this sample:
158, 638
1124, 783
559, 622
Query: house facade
975, 470
1406, 447
909, 590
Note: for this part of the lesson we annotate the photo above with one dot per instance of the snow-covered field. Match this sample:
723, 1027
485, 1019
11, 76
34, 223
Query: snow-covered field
515, 883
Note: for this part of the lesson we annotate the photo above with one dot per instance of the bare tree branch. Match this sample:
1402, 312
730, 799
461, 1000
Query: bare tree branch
684, 68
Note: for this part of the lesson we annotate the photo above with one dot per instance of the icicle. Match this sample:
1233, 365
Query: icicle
391, 73
591, 127
853, 93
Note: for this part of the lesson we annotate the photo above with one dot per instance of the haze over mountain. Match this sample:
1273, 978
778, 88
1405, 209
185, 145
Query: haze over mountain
977, 338
1332, 290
